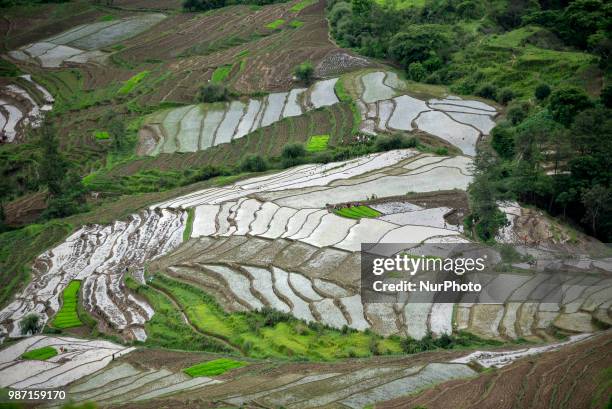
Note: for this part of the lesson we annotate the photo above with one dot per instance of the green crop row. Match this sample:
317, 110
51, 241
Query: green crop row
213, 368
68, 317
357, 212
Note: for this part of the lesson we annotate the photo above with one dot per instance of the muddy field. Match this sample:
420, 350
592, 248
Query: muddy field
573, 377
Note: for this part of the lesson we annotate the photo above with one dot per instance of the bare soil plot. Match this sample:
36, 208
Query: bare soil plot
572, 376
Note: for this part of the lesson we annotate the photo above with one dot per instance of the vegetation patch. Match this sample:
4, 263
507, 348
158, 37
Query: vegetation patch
189, 224
68, 316
302, 5
18, 248
357, 212
221, 73
317, 143
130, 84
213, 368
275, 24
40, 354
101, 135
401, 4
167, 328
270, 333
296, 23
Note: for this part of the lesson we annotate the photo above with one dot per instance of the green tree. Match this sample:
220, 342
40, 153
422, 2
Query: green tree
419, 43
53, 166
213, 92
488, 91
598, 203
567, 102
304, 72
606, 96
502, 140
416, 71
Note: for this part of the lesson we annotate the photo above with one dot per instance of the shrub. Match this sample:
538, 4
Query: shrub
395, 141
253, 163
30, 324
293, 154
213, 92
516, 114
488, 91
542, 91
304, 72
505, 95
294, 150
416, 71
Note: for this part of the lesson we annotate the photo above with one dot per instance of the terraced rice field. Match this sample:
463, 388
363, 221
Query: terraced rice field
281, 224
23, 104
99, 256
199, 127
83, 43
76, 358
397, 382
550, 379
383, 100
67, 316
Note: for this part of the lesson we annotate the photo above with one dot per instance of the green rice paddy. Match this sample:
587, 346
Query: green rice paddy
213, 368
357, 212
130, 84
67, 317
302, 5
317, 143
40, 354
221, 73
275, 24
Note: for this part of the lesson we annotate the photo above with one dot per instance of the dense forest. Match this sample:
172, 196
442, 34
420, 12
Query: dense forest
548, 62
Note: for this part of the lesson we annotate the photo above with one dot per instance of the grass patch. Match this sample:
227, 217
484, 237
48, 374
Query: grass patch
213, 368
269, 333
18, 248
221, 73
317, 143
296, 23
129, 85
40, 354
108, 17
242, 53
275, 24
357, 212
189, 224
101, 135
68, 317
302, 5
166, 328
